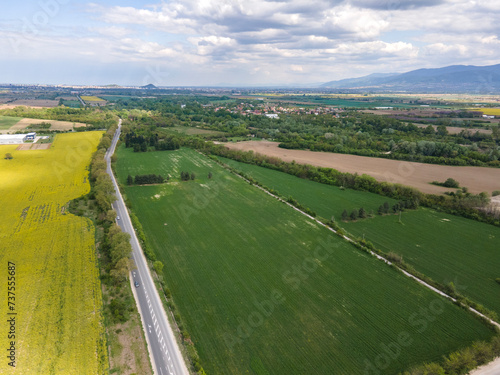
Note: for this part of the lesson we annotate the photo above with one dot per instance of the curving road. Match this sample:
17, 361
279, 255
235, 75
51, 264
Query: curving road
162, 345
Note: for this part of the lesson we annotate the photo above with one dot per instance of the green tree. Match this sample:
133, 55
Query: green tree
345, 215
460, 362
110, 216
122, 269
429, 130
451, 183
105, 142
441, 130
362, 213
130, 180
354, 215
193, 176
380, 210
120, 247
158, 267
209, 175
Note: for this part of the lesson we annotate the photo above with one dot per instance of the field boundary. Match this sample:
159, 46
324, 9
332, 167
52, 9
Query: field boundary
364, 248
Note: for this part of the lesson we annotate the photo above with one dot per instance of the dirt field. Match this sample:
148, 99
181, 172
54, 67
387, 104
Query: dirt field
35, 103
418, 175
34, 146
56, 125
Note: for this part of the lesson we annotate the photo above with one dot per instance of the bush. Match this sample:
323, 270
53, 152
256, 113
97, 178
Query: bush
495, 193
451, 183
393, 257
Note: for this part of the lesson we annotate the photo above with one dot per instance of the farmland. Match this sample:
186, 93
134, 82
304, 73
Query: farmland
418, 175
447, 248
58, 299
325, 200
194, 131
262, 289
6, 122
23, 123
444, 247
34, 103
91, 99
489, 111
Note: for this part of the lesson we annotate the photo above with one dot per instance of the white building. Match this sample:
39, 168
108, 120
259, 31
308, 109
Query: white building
12, 139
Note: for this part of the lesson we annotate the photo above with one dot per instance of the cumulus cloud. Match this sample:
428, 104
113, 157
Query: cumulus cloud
396, 4
288, 39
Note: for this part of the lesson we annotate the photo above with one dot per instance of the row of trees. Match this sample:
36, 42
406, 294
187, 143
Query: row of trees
145, 179
116, 244
186, 176
142, 140
383, 209
355, 214
463, 204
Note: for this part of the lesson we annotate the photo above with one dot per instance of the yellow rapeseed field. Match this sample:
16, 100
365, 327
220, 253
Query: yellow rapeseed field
92, 99
58, 323
488, 111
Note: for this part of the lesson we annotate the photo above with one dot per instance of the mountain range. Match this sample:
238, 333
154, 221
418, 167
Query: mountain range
450, 79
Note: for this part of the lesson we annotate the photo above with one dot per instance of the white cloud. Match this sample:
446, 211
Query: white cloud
290, 39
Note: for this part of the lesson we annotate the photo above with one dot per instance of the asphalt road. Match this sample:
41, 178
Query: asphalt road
166, 356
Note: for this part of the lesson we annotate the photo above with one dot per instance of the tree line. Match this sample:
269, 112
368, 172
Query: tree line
145, 179
142, 141
462, 204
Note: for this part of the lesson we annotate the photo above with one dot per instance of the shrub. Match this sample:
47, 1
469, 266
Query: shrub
451, 183
495, 193
395, 258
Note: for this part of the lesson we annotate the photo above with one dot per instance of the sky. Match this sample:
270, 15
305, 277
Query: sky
239, 42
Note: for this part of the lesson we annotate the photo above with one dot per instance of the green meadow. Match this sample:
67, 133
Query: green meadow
444, 247
264, 290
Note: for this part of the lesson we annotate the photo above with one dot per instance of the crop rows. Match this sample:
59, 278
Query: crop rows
262, 289
59, 327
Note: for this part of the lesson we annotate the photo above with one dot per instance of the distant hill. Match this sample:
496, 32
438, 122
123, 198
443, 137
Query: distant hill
149, 87
454, 79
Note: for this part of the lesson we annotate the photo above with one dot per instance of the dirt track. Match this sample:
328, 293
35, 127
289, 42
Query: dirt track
418, 175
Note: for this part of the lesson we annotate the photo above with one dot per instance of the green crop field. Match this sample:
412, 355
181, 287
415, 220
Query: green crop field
264, 290
444, 247
6, 122
72, 103
325, 200
190, 130
114, 98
